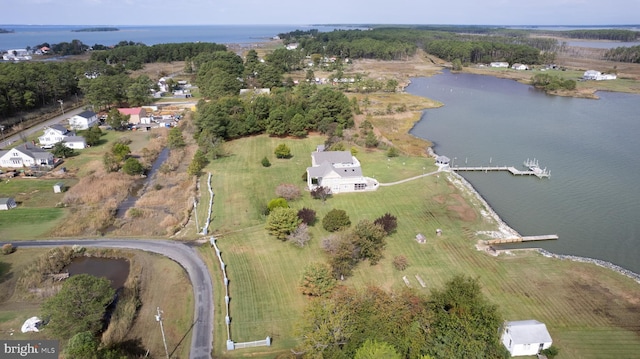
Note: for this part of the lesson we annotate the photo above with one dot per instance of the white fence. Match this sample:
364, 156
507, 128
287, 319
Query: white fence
223, 267
205, 228
257, 343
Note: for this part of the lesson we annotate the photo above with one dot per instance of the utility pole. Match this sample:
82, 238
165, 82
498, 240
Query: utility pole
61, 106
164, 340
2, 130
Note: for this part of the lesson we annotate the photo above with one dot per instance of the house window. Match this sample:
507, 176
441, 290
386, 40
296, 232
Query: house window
360, 186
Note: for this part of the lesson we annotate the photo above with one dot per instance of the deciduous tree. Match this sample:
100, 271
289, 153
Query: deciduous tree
307, 215
175, 139
79, 306
300, 236
62, 151
373, 349
464, 323
388, 222
321, 192
282, 221
335, 220
288, 191
370, 240
92, 135
317, 280
132, 167
117, 120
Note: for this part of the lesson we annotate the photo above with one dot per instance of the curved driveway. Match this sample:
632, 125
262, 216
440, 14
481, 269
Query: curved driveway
187, 257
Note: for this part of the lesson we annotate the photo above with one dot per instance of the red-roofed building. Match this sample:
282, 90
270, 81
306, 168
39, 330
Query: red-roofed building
135, 113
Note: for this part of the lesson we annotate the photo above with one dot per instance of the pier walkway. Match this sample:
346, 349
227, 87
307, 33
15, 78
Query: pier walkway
533, 169
514, 171
522, 239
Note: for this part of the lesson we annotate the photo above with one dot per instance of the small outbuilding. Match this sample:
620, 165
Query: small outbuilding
58, 187
442, 161
7, 203
525, 337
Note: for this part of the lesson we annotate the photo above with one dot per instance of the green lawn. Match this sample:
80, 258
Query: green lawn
580, 303
36, 213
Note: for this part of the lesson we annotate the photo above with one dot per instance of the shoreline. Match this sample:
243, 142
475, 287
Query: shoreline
505, 231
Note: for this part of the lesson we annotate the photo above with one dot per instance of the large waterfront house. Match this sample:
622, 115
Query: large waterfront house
525, 337
83, 120
25, 155
339, 171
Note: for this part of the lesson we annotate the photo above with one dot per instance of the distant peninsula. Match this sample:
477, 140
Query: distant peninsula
96, 29
5, 31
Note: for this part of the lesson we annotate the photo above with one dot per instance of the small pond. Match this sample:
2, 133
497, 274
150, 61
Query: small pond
115, 270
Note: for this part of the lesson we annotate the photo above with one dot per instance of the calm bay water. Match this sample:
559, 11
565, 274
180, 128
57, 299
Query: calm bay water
591, 148
32, 35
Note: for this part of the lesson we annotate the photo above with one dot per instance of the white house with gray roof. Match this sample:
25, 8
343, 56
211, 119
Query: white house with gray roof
25, 155
340, 171
525, 337
83, 120
54, 134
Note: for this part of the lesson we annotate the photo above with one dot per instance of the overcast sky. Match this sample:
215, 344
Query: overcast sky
294, 12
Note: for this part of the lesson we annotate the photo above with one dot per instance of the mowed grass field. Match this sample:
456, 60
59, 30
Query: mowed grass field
36, 213
591, 312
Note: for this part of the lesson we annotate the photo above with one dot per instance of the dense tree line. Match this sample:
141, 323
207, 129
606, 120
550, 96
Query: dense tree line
399, 42
624, 54
482, 51
27, 86
75, 47
284, 112
453, 322
358, 44
134, 55
602, 34
118, 89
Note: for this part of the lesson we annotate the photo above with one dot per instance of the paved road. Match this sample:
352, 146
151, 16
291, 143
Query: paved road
5, 141
187, 257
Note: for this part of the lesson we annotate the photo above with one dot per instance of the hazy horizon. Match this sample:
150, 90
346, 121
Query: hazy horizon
257, 12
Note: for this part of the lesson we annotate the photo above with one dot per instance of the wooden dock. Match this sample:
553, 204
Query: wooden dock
522, 239
514, 171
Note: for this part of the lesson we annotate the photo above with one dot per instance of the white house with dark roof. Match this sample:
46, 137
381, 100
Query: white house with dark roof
340, 171
83, 120
54, 134
25, 155
525, 337
58, 133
